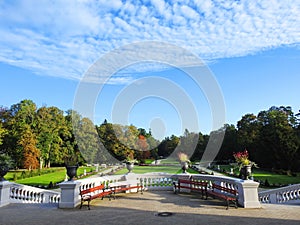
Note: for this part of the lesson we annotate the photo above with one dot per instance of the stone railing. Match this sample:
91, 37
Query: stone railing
247, 189
27, 194
18, 193
284, 195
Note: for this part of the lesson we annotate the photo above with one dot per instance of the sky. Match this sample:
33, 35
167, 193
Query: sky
251, 49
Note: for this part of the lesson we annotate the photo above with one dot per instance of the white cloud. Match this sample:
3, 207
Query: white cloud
63, 38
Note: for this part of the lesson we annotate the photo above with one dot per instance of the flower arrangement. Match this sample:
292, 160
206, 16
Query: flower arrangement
242, 159
183, 157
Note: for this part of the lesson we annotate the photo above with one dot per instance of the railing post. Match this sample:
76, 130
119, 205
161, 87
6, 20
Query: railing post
69, 197
4, 193
248, 194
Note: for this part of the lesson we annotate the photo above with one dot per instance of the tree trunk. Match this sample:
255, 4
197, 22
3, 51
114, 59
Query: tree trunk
41, 163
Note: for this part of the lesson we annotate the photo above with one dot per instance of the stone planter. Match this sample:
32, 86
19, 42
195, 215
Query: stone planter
245, 172
72, 171
129, 167
184, 166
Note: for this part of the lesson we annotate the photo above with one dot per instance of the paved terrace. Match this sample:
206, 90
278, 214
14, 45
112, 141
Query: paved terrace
135, 208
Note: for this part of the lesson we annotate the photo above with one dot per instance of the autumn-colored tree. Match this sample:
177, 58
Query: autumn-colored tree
142, 152
30, 152
15, 120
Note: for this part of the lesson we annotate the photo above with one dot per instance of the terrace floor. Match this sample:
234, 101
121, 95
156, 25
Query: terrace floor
135, 208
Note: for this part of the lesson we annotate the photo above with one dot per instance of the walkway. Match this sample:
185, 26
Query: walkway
142, 209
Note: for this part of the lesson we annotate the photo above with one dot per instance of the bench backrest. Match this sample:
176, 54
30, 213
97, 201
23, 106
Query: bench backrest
224, 189
193, 182
93, 189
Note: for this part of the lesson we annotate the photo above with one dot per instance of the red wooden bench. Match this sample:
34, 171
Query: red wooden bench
89, 194
224, 193
193, 185
119, 187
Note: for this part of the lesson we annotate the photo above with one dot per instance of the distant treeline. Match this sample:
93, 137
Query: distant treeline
40, 137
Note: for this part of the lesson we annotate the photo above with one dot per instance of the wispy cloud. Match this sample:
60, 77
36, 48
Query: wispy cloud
63, 38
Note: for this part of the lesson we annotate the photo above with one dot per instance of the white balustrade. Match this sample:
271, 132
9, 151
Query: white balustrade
247, 189
26, 194
288, 194
69, 197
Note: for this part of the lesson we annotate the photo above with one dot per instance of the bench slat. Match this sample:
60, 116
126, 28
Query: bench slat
224, 193
95, 192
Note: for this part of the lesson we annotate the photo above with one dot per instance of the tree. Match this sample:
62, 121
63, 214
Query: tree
3, 131
50, 129
167, 146
278, 138
248, 134
229, 145
201, 145
143, 148
15, 120
30, 151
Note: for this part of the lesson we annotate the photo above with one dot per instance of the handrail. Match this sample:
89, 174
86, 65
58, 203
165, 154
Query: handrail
282, 195
20, 193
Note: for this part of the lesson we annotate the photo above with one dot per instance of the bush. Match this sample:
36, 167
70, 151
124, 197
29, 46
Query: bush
267, 184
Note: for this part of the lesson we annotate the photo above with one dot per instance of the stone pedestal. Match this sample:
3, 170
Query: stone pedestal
70, 197
4, 193
248, 194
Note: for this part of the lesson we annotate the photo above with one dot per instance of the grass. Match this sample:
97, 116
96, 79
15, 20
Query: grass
273, 178
44, 180
54, 175
148, 169
155, 169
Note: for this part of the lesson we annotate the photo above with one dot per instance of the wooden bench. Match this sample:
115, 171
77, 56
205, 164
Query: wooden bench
227, 194
119, 187
89, 194
193, 185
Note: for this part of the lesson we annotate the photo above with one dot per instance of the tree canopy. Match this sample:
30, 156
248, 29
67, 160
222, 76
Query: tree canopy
40, 137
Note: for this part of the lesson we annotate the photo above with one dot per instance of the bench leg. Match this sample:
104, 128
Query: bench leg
142, 189
236, 206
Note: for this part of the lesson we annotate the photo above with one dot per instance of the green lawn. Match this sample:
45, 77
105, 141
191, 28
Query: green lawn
148, 169
54, 175
153, 169
273, 178
44, 180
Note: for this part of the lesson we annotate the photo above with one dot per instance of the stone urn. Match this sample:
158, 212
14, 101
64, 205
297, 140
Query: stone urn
245, 172
129, 167
184, 166
72, 171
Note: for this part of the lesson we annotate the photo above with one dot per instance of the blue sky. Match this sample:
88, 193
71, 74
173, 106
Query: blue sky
252, 48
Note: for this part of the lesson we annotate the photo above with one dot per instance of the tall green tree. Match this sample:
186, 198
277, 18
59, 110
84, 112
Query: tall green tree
278, 138
230, 144
51, 127
168, 145
201, 146
3, 131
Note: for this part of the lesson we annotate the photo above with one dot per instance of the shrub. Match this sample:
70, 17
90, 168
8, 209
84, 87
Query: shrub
267, 184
